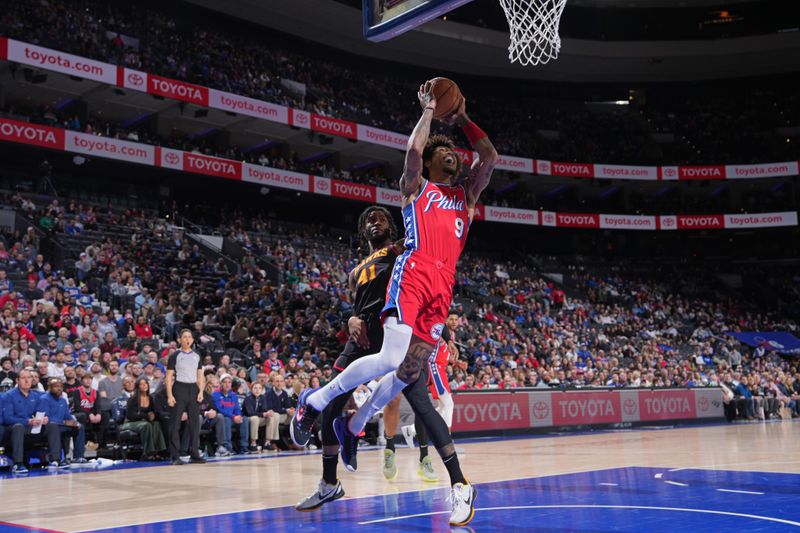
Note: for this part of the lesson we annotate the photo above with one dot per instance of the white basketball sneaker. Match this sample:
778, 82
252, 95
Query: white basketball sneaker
463, 500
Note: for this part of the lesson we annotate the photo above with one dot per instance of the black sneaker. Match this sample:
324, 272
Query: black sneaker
325, 493
348, 441
303, 420
19, 468
252, 449
199, 460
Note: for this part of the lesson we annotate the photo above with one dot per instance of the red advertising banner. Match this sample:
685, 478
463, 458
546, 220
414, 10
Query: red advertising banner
586, 408
467, 156
177, 90
3, 48
34, 134
577, 220
666, 405
333, 126
212, 166
353, 191
577, 170
702, 172
502, 410
700, 221
474, 412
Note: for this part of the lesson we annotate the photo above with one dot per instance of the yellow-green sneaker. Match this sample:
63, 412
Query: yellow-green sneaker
426, 472
389, 465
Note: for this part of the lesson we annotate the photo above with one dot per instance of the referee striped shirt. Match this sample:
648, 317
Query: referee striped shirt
185, 365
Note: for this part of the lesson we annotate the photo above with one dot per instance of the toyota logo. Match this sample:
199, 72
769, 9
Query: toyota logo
172, 158
135, 79
703, 404
668, 222
541, 410
322, 185
544, 167
301, 118
629, 406
669, 172
549, 218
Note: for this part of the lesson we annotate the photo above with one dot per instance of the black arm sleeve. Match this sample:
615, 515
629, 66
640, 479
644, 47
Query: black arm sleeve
446, 334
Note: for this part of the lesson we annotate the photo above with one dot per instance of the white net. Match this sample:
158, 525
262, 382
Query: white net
533, 25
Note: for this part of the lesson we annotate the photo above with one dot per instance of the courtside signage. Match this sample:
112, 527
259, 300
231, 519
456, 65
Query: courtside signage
542, 409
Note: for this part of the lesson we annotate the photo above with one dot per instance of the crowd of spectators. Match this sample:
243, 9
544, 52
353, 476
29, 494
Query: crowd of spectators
103, 323
728, 124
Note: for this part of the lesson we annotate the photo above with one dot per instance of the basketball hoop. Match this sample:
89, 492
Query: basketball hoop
533, 26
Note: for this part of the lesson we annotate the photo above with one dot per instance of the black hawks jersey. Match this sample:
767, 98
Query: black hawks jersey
372, 276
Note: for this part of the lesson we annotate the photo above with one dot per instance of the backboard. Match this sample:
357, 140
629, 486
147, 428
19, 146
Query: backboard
385, 19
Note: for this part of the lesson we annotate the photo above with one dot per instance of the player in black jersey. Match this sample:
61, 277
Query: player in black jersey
368, 281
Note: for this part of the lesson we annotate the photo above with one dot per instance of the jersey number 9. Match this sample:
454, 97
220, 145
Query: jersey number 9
459, 228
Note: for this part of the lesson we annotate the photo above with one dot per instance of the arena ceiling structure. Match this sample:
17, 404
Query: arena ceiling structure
603, 41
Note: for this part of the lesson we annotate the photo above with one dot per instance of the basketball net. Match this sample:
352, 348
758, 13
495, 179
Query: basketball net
533, 25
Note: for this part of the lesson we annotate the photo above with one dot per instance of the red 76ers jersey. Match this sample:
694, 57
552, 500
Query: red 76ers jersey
437, 222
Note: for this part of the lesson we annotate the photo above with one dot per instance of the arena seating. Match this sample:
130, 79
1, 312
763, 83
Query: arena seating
733, 124
518, 327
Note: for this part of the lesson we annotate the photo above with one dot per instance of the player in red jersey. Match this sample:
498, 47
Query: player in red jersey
438, 383
437, 213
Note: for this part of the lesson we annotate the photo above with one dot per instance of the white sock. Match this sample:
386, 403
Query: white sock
396, 339
388, 387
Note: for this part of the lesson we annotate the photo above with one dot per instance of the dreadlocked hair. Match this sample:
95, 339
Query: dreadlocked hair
434, 142
362, 224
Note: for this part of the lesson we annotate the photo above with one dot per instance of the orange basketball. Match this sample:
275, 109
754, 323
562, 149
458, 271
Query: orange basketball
448, 97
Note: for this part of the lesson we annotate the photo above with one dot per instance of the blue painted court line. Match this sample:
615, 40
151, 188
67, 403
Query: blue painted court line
622, 500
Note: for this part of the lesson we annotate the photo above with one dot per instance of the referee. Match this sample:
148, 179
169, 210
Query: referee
185, 383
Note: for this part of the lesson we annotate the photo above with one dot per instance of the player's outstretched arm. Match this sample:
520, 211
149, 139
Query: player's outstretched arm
412, 173
481, 171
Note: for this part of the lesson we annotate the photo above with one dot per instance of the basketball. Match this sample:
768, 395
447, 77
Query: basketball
448, 97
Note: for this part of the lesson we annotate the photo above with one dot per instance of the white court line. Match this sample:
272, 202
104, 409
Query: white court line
659, 475
719, 466
677, 484
741, 491
610, 484
645, 507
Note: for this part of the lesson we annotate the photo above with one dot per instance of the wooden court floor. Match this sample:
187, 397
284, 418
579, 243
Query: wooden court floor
84, 500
